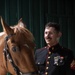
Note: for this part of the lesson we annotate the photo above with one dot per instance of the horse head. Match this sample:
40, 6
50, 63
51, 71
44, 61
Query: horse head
18, 49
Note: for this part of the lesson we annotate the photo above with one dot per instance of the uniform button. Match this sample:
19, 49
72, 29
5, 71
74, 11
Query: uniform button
52, 48
47, 68
45, 47
47, 62
49, 52
48, 57
46, 73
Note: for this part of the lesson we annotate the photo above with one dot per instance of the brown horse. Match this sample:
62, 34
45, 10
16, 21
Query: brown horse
16, 50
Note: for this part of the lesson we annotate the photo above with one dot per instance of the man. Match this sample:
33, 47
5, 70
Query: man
53, 59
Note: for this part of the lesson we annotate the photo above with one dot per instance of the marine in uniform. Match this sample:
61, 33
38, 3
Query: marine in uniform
53, 59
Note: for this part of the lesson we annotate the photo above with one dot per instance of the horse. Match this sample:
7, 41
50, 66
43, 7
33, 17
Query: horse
17, 50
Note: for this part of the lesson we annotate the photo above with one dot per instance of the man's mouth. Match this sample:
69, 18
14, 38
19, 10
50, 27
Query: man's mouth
48, 39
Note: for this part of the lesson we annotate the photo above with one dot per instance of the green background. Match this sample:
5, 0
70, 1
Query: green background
36, 13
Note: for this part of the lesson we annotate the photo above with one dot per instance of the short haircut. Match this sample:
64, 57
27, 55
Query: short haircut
54, 25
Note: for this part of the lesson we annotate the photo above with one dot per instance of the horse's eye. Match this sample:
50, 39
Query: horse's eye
15, 48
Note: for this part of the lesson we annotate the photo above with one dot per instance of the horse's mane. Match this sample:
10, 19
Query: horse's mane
22, 33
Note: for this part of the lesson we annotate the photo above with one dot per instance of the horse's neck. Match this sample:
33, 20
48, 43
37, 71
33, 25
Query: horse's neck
2, 35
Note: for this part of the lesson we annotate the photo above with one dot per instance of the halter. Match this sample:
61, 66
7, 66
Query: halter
9, 57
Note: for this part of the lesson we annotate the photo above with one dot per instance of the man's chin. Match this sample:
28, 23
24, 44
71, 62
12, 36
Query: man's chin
48, 42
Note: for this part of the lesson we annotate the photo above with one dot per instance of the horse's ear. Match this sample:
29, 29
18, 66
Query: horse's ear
6, 28
21, 23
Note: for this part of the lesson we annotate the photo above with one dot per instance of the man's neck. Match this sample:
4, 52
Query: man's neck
50, 45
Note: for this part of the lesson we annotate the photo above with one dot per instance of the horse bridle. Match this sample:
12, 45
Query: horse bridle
9, 57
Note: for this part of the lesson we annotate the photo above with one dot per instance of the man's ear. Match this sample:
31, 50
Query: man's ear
59, 34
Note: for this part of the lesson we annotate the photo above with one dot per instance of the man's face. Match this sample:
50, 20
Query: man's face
51, 36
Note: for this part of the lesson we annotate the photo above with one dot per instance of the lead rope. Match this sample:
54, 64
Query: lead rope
9, 57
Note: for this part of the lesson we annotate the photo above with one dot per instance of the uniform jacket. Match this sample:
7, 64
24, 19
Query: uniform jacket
54, 61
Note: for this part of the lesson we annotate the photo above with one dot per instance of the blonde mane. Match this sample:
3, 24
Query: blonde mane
23, 34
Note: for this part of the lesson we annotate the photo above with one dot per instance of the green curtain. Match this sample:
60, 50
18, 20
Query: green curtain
8, 74
36, 13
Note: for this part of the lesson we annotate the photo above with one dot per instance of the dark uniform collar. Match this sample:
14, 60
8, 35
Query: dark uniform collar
54, 48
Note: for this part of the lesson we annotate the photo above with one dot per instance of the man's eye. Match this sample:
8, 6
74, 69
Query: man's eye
45, 32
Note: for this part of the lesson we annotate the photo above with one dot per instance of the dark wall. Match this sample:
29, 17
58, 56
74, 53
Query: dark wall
36, 13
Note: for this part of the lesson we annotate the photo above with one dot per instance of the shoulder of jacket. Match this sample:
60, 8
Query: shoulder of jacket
42, 48
66, 49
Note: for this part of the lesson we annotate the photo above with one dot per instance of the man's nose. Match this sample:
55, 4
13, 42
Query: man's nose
48, 35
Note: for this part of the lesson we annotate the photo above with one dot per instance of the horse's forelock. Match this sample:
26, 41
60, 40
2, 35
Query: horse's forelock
23, 34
